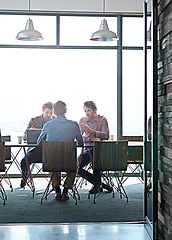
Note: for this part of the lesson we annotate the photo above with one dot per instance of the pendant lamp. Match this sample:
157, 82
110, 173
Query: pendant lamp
29, 34
104, 34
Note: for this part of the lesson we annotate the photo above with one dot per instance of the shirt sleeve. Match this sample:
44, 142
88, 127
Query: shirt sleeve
81, 121
42, 136
79, 137
104, 133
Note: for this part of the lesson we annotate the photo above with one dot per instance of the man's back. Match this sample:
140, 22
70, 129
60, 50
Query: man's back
61, 130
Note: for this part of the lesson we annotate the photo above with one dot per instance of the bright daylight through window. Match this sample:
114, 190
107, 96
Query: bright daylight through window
32, 76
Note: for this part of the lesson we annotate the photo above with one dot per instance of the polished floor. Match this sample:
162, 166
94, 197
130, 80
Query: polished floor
105, 230
90, 231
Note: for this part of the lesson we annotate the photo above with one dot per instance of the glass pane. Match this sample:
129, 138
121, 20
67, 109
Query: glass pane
149, 134
133, 31
78, 30
32, 77
10, 25
133, 93
149, 140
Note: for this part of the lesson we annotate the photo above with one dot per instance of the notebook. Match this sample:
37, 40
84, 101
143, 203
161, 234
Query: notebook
32, 135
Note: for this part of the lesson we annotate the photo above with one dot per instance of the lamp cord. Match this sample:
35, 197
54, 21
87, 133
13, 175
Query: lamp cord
29, 8
103, 6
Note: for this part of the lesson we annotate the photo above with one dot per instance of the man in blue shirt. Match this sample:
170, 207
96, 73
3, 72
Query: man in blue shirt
59, 130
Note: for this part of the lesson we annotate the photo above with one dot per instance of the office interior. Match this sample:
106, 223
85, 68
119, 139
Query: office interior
129, 79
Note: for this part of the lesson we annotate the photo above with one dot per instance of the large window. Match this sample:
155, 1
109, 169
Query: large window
78, 30
74, 71
30, 77
133, 76
133, 93
10, 25
133, 31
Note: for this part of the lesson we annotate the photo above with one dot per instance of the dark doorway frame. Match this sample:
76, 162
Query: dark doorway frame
151, 224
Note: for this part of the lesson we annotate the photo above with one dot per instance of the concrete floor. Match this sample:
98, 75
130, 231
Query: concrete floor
73, 231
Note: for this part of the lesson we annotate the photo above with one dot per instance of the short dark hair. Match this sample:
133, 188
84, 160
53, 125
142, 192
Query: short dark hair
90, 104
48, 105
60, 108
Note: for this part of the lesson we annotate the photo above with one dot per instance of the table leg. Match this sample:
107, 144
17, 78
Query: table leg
32, 187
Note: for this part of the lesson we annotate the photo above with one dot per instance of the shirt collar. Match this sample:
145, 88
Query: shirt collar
95, 119
60, 116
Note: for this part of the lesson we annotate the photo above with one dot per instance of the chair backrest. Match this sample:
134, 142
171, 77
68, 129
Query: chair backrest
110, 155
7, 153
135, 153
132, 138
59, 156
7, 150
2, 159
6, 138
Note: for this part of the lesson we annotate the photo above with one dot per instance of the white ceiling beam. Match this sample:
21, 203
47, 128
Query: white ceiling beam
74, 5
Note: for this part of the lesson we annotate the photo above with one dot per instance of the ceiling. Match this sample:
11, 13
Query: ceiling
115, 6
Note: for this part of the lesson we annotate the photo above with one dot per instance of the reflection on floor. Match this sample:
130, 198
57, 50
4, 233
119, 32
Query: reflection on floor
90, 231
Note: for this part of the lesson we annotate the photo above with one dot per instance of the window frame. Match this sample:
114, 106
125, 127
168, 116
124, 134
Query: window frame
119, 47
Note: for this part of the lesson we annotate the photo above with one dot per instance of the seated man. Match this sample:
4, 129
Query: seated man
60, 130
93, 127
37, 122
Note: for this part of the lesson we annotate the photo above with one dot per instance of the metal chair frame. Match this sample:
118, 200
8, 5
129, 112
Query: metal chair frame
134, 164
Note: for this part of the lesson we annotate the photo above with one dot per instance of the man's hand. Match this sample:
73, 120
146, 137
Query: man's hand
88, 129
94, 139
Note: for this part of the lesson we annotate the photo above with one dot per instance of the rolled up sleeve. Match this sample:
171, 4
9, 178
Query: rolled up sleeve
104, 133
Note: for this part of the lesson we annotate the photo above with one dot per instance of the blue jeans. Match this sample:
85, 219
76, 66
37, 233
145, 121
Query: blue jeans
94, 178
33, 156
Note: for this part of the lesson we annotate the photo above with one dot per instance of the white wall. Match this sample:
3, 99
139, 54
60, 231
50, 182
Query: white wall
74, 5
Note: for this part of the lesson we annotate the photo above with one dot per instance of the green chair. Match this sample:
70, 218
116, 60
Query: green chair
8, 162
59, 157
110, 158
3, 195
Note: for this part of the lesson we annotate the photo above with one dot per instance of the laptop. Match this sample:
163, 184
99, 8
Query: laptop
32, 135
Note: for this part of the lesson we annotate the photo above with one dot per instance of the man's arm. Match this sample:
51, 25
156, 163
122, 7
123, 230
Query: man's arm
80, 124
79, 137
42, 136
104, 133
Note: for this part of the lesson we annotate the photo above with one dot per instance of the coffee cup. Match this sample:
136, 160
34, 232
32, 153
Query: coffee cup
20, 139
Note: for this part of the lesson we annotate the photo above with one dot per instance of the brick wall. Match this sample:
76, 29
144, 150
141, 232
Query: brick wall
165, 118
